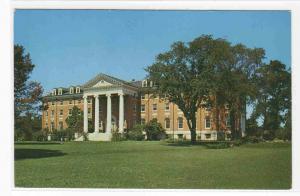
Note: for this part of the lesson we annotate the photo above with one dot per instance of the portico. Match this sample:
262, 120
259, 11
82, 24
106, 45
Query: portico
106, 88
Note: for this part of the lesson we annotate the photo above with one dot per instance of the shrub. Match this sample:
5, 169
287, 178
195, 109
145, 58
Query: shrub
116, 136
62, 135
136, 133
252, 139
39, 136
283, 134
217, 145
154, 130
268, 135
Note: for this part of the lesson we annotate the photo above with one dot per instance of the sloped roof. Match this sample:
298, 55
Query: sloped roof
107, 78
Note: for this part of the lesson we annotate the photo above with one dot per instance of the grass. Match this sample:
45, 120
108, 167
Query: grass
131, 164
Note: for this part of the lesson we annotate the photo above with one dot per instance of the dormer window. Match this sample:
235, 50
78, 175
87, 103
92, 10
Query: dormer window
54, 92
151, 84
71, 90
144, 83
60, 91
77, 89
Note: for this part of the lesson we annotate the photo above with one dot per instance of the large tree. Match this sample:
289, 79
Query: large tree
273, 104
27, 94
205, 72
75, 120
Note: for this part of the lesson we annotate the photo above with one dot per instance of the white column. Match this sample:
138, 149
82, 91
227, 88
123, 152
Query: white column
96, 113
85, 115
121, 112
108, 115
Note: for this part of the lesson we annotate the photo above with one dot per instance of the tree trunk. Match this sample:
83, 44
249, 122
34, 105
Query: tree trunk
192, 126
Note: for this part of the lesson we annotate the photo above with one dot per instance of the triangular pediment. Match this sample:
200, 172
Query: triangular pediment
103, 80
102, 83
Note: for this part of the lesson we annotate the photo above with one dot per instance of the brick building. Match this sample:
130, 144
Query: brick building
125, 104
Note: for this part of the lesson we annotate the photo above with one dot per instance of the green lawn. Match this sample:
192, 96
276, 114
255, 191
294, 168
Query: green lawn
152, 165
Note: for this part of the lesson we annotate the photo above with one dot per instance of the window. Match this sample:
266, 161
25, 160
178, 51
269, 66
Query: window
70, 102
143, 121
77, 89
207, 122
89, 110
70, 111
144, 83
89, 100
79, 101
227, 120
61, 112
167, 123
46, 113
151, 84
61, 126
46, 125
71, 90
52, 102
52, 126
52, 113
154, 107
60, 91
54, 92
226, 106
167, 106
180, 122
61, 102
142, 108
180, 136
142, 96
134, 107
207, 136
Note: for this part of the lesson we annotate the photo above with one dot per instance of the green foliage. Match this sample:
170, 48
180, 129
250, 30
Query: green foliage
75, 120
136, 133
252, 139
28, 125
154, 130
116, 136
268, 135
273, 103
217, 145
206, 70
27, 97
63, 135
283, 134
39, 136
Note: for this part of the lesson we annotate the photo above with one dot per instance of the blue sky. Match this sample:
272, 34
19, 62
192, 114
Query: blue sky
70, 47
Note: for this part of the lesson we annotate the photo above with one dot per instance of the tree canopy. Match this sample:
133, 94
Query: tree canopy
206, 71
27, 95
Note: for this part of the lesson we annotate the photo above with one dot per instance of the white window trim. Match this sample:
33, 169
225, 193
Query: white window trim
168, 106
153, 107
144, 83
166, 123
178, 123
77, 89
59, 91
71, 90
143, 107
209, 123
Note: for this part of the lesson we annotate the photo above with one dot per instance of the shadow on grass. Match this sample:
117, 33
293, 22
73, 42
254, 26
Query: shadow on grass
37, 143
36, 153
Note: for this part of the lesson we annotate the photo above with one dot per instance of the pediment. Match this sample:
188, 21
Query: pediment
102, 83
